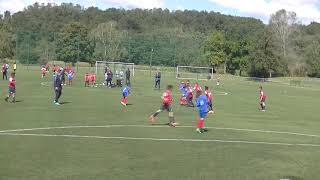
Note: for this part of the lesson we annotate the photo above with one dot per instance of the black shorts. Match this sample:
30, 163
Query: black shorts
166, 107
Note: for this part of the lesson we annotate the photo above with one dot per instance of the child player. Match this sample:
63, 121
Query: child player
93, 79
166, 105
43, 72
202, 103
183, 90
197, 87
12, 88
86, 80
189, 95
70, 77
125, 93
262, 99
209, 97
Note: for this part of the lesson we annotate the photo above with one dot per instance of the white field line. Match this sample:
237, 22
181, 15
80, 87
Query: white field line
162, 139
160, 126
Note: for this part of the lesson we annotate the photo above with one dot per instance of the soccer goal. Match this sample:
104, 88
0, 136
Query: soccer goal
193, 72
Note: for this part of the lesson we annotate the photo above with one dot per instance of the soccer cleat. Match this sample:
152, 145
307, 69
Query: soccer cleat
211, 112
124, 104
6, 99
58, 104
151, 119
199, 130
173, 124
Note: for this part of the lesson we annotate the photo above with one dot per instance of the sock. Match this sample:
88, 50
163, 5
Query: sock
171, 119
200, 123
156, 113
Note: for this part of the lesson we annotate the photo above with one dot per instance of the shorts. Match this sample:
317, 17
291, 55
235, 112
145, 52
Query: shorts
12, 90
166, 107
70, 78
263, 100
203, 115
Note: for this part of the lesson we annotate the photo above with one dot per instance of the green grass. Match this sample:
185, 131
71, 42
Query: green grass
290, 109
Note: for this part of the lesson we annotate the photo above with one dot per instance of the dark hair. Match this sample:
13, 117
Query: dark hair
206, 87
169, 87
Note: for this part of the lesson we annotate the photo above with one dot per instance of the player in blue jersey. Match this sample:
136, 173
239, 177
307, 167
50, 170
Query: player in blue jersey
125, 93
202, 104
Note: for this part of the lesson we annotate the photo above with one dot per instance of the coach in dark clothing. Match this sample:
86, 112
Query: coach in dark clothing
157, 78
58, 86
128, 77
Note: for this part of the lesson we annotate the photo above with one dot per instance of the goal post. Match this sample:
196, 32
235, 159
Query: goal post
194, 72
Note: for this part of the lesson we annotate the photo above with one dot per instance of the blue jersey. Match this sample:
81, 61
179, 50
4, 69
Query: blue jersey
202, 102
126, 90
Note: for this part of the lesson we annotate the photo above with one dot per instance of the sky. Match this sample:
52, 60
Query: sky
307, 10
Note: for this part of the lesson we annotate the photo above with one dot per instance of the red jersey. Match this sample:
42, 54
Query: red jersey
167, 98
209, 95
263, 95
47, 65
190, 91
197, 88
12, 82
43, 70
87, 77
93, 77
55, 68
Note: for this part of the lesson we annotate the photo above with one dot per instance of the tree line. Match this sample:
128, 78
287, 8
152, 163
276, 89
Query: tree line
236, 45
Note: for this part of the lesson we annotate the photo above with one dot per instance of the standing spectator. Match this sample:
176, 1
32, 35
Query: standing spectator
5, 68
128, 77
157, 78
58, 86
14, 67
109, 78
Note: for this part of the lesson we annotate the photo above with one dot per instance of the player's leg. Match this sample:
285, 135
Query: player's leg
200, 124
154, 115
210, 107
124, 99
172, 121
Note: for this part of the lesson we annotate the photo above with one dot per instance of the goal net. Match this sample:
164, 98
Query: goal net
117, 68
193, 72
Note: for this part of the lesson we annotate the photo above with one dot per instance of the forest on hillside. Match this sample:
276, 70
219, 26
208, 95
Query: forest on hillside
238, 45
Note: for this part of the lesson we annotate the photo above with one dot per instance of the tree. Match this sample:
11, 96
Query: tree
312, 55
108, 41
264, 59
282, 24
6, 44
73, 44
215, 49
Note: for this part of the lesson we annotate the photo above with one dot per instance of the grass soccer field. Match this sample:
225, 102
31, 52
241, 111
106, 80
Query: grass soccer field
92, 137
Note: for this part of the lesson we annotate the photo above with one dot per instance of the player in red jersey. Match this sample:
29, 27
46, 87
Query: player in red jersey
209, 97
189, 95
93, 79
166, 105
12, 88
197, 87
43, 72
262, 99
86, 80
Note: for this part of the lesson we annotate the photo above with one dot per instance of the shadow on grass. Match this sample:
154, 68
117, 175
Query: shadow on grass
65, 102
